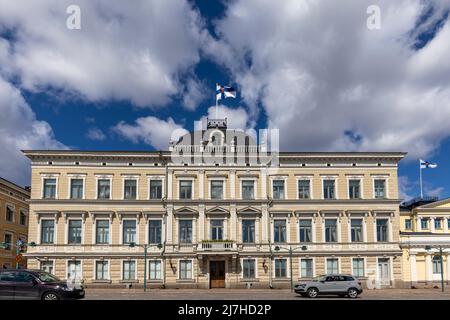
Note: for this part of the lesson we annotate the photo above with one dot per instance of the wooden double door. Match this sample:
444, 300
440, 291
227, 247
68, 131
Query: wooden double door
217, 274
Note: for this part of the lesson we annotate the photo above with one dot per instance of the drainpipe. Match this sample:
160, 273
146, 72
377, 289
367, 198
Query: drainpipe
163, 201
269, 203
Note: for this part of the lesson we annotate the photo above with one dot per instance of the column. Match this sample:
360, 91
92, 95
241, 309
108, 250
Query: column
413, 267
428, 268
448, 266
169, 184
264, 222
365, 227
432, 224
201, 220
169, 223
264, 184
418, 224
233, 184
233, 223
445, 222
201, 184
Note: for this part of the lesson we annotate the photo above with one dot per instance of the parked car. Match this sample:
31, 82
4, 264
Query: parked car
35, 285
339, 284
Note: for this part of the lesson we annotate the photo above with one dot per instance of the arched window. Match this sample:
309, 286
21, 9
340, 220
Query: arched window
437, 265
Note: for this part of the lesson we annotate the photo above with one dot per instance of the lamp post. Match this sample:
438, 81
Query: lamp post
145, 246
428, 248
291, 250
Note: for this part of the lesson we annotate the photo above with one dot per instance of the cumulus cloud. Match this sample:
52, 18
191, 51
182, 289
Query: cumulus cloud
95, 134
143, 53
330, 83
150, 130
237, 118
19, 129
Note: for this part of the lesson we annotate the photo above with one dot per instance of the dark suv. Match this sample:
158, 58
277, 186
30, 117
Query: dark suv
36, 285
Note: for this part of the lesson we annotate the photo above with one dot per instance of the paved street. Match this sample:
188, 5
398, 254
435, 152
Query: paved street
253, 294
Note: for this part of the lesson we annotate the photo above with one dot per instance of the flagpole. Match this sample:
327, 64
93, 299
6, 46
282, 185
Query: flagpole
217, 107
420, 170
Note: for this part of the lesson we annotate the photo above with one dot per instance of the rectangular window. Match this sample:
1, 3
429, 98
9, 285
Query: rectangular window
328, 189
248, 189
23, 218
185, 189
248, 268
49, 188
424, 223
304, 189
354, 191
185, 231
129, 270
76, 188
216, 229
279, 231
248, 231
278, 189
129, 231
101, 270
408, 224
437, 265
306, 266
154, 270
185, 269
74, 269
102, 231
9, 214
154, 231
438, 223
155, 189
332, 266
103, 189
130, 187
47, 231
380, 188
47, 266
280, 268
216, 189
382, 230
330, 230
74, 232
8, 241
356, 230
358, 267
305, 231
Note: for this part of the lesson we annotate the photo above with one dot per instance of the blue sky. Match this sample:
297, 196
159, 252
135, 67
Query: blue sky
131, 75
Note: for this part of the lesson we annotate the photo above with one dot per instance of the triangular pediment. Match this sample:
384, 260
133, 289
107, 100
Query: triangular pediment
186, 210
249, 210
218, 210
444, 204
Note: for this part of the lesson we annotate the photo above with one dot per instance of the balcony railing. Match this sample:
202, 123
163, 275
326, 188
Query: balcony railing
217, 246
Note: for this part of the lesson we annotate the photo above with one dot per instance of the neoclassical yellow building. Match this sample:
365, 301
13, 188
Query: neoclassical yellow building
424, 237
253, 219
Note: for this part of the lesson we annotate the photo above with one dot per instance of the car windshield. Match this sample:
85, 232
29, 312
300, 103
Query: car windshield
47, 277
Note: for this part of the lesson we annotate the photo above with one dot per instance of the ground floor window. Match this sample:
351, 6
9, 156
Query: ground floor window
248, 268
129, 270
154, 270
74, 269
358, 267
332, 265
185, 269
280, 268
437, 265
47, 266
101, 270
306, 266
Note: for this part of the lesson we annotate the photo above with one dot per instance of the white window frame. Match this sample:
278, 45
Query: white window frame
94, 272
66, 240
131, 177
94, 231
386, 186
224, 191
256, 230
338, 230
389, 228
285, 180
313, 228
104, 177
241, 275
192, 180
364, 266
121, 230
155, 178
361, 187
55, 231
193, 235
147, 229
49, 176
67, 268
179, 269
363, 229
136, 276
13, 208
311, 194
49, 260
336, 192
300, 266
255, 188
286, 221
71, 177
326, 264
162, 270
287, 268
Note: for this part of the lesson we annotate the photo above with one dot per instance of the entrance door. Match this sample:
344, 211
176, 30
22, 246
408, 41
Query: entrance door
217, 274
384, 273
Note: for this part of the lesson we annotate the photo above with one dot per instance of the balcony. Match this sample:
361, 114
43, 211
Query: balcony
217, 246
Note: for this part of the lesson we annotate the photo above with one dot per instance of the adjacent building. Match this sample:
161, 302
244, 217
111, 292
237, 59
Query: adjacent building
241, 222
425, 239
13, 222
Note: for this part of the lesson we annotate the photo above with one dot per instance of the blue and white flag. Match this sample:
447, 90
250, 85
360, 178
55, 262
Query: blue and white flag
425, 164
223, 92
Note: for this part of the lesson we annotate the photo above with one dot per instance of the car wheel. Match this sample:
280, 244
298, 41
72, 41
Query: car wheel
50, 296
312, 292
352, 293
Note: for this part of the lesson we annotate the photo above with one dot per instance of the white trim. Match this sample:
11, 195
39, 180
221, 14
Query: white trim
135, 269
363, 231
55, 229
49, 176
364, 266
313, 227
130, 177
94, 278
121, 230
94, 230
148, 268
67, 268
310, 179
66, 238
179, 269
192, 180
285, 184
334, 178
286, 225
241, 274
300, 266
147, 229
255, 188
71, 177
326, 264
155, 178
386, 185
287, 267
224, 191
361, 186
338, 229
103, 177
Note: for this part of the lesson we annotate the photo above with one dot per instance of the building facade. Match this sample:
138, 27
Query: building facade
13, 222
424, 238
236, 223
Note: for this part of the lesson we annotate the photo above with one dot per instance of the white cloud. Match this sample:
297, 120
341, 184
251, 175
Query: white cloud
95, 134
406, 188
329, 83
19, 130
237, 118
143, 53
150, 130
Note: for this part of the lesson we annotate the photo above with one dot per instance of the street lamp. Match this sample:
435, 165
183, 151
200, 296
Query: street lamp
291, 250
145, 246
428, 248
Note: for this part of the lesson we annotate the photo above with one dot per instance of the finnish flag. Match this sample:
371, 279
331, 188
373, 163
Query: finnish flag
425, 164
223, 92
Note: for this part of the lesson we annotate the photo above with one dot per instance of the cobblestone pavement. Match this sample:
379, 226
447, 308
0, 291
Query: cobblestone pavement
254, 294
